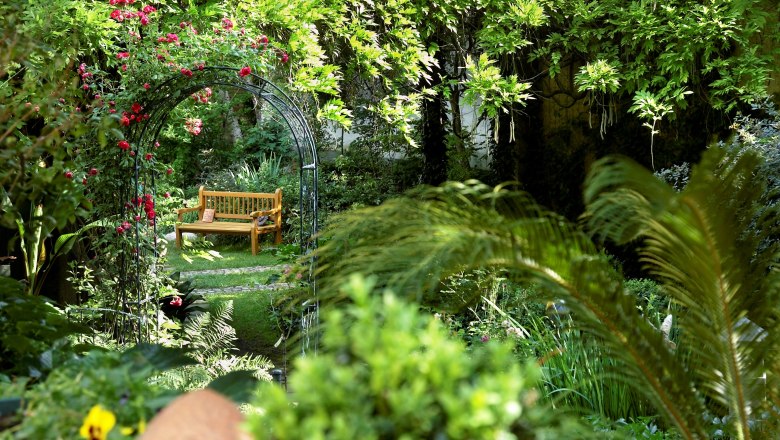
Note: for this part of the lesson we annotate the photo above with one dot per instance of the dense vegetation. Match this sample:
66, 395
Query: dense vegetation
455, 304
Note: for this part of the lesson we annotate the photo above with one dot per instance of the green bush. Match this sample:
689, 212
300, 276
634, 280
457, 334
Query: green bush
32, 332
118, 382
389, 371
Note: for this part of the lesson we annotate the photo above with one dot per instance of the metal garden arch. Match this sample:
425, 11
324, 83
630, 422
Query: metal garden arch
165, 97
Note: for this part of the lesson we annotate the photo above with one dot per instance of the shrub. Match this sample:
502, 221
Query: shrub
391, 372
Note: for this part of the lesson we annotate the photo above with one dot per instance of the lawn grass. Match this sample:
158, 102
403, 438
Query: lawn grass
222, 257
256, 329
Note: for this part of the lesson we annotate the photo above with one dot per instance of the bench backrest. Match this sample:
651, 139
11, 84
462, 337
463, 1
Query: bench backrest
237, 205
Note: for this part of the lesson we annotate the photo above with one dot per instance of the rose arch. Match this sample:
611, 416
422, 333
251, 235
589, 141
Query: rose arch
158, 105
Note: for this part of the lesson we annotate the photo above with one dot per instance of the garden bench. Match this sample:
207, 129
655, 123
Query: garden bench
235, 213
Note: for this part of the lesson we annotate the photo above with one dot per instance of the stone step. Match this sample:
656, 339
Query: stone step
242, 289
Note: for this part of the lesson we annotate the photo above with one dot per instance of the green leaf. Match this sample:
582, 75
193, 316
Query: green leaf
238, 386
157, 356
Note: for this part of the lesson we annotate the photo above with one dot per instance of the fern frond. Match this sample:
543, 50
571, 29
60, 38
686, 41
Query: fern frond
211, 332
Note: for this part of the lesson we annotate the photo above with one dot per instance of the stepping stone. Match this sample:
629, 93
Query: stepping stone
171, 236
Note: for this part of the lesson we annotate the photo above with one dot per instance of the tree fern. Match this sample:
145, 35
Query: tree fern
693, 241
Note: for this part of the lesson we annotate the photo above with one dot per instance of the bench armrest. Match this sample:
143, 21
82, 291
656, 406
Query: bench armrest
255, 214
183, 210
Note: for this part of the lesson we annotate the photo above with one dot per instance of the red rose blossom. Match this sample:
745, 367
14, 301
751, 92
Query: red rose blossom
123, 144
93, 172
148, 156
122, 55
186, 72
246, 70
68, 174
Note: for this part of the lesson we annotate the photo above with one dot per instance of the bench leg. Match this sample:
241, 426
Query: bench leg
254, 243
178, 237
278, 239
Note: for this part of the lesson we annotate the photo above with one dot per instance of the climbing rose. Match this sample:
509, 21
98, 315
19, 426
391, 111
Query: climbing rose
148, 9
120, 229
136, 107
227, 24
144, 19
84, 181
148, 156
147, 86
68, 175
186, 72
116, 14
246, 70
121, 55
262, 39
93, 172
193, 125
285, 57
169, 171
124, 145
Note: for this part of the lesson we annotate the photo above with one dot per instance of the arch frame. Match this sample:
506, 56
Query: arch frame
156, 108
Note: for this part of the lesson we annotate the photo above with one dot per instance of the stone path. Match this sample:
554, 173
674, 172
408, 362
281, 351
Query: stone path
236, 289
250, 269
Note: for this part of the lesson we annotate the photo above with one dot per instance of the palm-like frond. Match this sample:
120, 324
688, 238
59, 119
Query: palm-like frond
414, 242
698, 242
702, 243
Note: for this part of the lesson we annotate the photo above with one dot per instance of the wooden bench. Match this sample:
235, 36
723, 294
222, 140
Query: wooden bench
241, 210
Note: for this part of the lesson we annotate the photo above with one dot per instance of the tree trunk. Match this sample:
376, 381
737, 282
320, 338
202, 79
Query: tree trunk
434, 119
234, 128
460, 154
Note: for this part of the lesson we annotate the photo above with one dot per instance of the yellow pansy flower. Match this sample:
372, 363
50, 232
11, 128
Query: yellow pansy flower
97, 424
